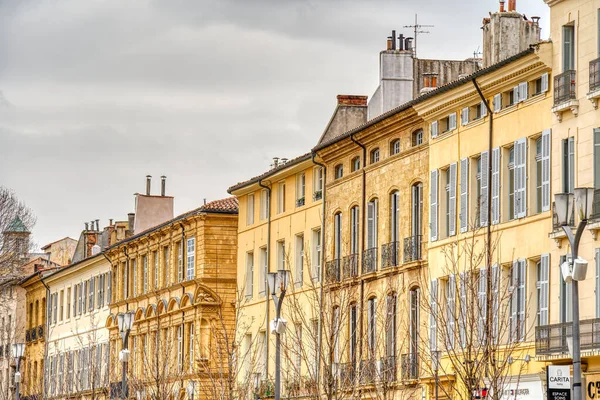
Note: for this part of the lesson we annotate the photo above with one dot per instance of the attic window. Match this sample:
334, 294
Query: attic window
355, 164
375, 155
395, 147
339, 171
417, 137
430, 81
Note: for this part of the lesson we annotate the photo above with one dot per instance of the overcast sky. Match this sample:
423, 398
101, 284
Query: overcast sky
94, 95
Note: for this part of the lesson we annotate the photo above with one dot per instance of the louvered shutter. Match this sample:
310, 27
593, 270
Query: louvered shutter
544, 82
450, 311
515, 95
464, 195
452, 202
514, 284
544, 286
483, 109
433, 301
546, 169
434, 129
372, 224
496, 186
483, 206
109, 287
452, 122
495, 300
521, 296
433, 205
482, 305
523, 91
462, 315
520, 197
92, 293
498, 102
464, 116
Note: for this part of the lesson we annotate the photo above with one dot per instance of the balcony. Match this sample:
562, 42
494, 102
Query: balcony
369, 260
34, 334
368, 369
347, 374
565, 96
552, 339
410, 367
594, 93
332, 271
28, 335
412, 248
40, 332
388, 369
390, 253
350, 269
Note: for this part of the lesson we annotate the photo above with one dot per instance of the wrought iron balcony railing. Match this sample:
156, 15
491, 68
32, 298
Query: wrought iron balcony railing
368, 371
564, 87
350, 269
332, 271
595, 74
390, 255
40, 332
34, 334
410, 366
412, 248
347, 374
388, 369
369, 260
553, 339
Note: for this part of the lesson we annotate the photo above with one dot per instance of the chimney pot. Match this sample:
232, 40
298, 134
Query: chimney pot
98, 225
512, 5
401, 42
148, 182
394, 40
110, 222
501, 5
389, 43
86, 226
163, 183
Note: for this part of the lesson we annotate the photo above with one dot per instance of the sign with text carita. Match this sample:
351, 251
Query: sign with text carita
559, 382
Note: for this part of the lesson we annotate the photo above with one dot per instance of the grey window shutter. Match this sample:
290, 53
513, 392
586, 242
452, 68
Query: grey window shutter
544, 82
464, 116
371, 224
597, 158
514, 307
434, 129
496, 186
544, 286
464, 195
92, 293
249, 279
483, 109
450, 311
521, 295
546, 142
495, 300
498, 102
452, 122
433, 205
433, 300
482, 304
483, 205
452, 205
520, 197
462, 314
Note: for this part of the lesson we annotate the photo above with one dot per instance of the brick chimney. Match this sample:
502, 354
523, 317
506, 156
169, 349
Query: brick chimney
512, 5
351, 100
350, 112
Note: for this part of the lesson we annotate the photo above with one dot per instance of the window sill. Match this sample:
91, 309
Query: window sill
560, 108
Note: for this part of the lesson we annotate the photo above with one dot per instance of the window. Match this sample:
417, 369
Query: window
166, 262
417, 137
566, 296
318, 183
281, 198
417, 209
372, 224
414, 320
316, 254
54, 299
298, 351
250, 209
300, 189
180, 261
179, 348
480, 110
337, 236
281, 255
62, 305
155, 258
448, 124
568, 166
497, 102
429, 80
372, 328
68, 304
433, 129
433, 208
264, 204
597, 282
542, 289
449, 205
91, 294
518, 300
191, 346
354, 230
538, 175
249, 274
191, 258
299, 259
511, 184
395, 217
262, 270
145, 274
597, 158
353, 328
390, 325
395, 147
375, 155
568, 48
355, 164
450, 310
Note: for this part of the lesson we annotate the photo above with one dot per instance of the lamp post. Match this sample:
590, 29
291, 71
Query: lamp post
278, 281
125, 321
18, 349
583, 198
191, 389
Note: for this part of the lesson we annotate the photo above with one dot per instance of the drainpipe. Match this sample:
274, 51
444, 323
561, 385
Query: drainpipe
47, 332
267, 308
362, 239
489, 207
322, 261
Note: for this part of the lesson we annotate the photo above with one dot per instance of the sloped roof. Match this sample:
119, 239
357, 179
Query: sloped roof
16, 225
229, 204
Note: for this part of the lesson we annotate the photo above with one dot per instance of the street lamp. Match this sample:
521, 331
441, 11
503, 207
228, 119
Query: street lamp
18, 349
583, 199
278, 281
125, 321
191, 389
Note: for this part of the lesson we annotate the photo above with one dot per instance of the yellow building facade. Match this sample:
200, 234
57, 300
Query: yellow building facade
179, 280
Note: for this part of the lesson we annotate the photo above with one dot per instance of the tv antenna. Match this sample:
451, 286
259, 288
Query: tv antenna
417, 29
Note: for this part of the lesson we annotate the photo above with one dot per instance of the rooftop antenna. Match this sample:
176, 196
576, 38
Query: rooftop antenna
417, 29
477, 53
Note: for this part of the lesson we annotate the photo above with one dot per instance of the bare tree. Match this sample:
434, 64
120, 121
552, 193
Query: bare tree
16, 220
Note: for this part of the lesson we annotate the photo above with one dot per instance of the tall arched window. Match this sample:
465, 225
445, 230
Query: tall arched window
354, 229
391, 325
372, 328
394, 228
337, 236
413, 299
353, 330
416, 222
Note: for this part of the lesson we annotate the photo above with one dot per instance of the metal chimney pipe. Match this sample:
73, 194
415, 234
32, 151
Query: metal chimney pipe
394, 40
401, 42
163, 183
98, 225
502, 5
110, 222
92, 225
86, 226
148, 182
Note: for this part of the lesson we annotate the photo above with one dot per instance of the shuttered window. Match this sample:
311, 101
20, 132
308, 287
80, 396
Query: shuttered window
497, 102
462, 315
434, 129
433, 217
568, 166
597, 282
496, 185
452, 200
520, 197
464, 116
495, 301
464, 195
433, 301
546, 142
249, 274
544, 82
597, 158
372, 224
354, 231
452, 121
566, 297
483, 107
482, 305
450, 311
483, 204
517, 319
523, 91
542, 285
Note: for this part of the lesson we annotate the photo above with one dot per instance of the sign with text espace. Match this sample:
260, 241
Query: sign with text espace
559, 382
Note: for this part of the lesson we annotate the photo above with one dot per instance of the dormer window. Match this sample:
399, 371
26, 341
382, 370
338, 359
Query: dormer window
375, 155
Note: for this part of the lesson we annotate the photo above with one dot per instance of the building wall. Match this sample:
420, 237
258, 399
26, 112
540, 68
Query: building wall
444, 71
35, 347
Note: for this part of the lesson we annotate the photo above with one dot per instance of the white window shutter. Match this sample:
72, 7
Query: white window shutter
462, 320
434, 129
433, 212
496, 186
483, 205
498, 102
464, 116
514, 307
544, 289
544, 82
523, 91
433, 315
452, 122
375, 222
546, 169
515, 95
452, 203
483, 109
450, 311
520, 197
464, 195
521, 295
482, 304
370, 224
495, 300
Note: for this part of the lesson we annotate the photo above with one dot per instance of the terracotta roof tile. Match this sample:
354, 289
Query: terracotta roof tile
229, 204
